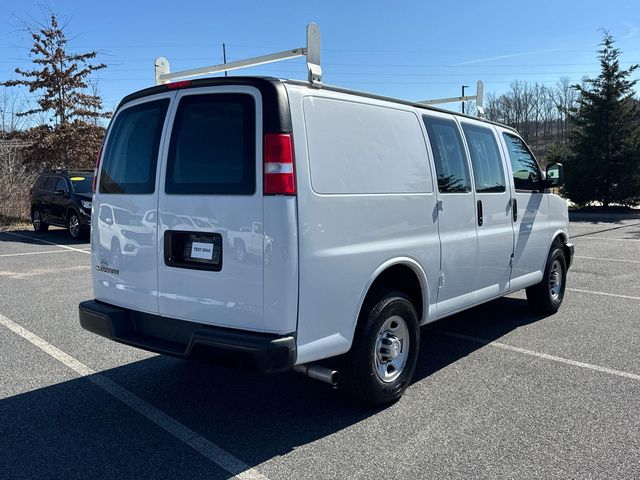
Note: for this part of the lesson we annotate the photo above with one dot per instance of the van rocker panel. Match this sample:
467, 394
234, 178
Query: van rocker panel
266, 352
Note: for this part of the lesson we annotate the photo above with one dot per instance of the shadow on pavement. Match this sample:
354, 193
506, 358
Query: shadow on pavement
596, 217
75, 430
54, 235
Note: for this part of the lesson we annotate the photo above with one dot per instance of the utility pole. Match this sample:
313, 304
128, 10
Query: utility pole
224, 56
463, 87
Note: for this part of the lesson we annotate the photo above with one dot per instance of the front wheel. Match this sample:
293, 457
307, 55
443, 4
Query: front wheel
546, 296
378, 368
73, 225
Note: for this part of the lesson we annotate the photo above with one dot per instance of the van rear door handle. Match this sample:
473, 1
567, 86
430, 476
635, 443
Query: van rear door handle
480, 218
514, 209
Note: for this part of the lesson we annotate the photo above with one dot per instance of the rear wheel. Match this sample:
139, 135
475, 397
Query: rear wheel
38, 223
378, 368
73, 225
546, 296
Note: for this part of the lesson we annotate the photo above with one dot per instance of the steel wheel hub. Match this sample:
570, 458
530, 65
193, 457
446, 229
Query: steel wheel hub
392, 348
74, 225
555, 280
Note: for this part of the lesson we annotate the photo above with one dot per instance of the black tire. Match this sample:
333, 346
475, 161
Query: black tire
359, 374
546, 296
38, 224
73, 225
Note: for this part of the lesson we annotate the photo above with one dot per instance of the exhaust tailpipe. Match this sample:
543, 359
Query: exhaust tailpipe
318, 372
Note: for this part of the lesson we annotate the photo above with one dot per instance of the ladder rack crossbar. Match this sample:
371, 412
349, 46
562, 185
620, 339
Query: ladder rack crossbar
164, 75
312, 52
437, 101
478, 97
225, 67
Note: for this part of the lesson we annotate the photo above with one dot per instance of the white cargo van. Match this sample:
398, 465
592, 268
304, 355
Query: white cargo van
281, 223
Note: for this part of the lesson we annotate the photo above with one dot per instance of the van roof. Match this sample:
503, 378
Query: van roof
272, 87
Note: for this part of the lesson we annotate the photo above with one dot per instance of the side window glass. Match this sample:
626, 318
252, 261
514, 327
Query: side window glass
131, 156
61, 185
526, 173
49, 184
486, 162
449, 156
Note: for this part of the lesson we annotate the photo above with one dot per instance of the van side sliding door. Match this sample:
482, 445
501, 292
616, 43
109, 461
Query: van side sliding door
456, 215
493, 210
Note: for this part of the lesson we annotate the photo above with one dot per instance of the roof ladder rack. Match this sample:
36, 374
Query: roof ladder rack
312, 52
478, 97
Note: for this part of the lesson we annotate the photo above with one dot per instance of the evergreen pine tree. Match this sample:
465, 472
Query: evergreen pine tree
605, 164
60, 82
61, 76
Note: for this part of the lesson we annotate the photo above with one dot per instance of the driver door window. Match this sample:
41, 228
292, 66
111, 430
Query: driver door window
526, 172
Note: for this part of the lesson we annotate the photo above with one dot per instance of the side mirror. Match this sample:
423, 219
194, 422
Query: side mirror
59, 193
554, 175
108, 221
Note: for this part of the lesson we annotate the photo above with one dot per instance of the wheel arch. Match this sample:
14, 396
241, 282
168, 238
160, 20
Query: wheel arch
563, 237
404, 274
70, 210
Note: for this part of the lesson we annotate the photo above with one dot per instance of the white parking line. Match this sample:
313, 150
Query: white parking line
546, 356
603, 293
609, 239
35, 253
47, 242
210, 450
607, 259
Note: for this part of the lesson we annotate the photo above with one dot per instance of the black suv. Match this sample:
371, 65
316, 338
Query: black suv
62, 198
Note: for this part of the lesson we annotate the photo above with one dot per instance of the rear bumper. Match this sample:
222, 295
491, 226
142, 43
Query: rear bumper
266, 352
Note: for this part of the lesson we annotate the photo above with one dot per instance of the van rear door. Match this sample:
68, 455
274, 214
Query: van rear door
210, 269
124, 249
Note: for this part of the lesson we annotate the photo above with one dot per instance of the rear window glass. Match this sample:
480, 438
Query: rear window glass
81, 183
212, 149
131, 155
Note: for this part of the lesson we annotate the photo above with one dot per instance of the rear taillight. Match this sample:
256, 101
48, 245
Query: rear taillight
279, 172
95, 171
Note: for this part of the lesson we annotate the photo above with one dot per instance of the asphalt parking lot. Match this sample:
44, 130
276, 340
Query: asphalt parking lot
498, 393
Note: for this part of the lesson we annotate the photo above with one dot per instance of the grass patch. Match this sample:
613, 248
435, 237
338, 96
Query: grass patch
13, 223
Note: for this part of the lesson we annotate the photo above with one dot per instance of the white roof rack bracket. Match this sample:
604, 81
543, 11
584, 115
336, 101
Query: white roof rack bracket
313, 55
161, 68
478, 97
312, 51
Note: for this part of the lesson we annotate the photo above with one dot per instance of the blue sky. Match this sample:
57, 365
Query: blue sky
412, 50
